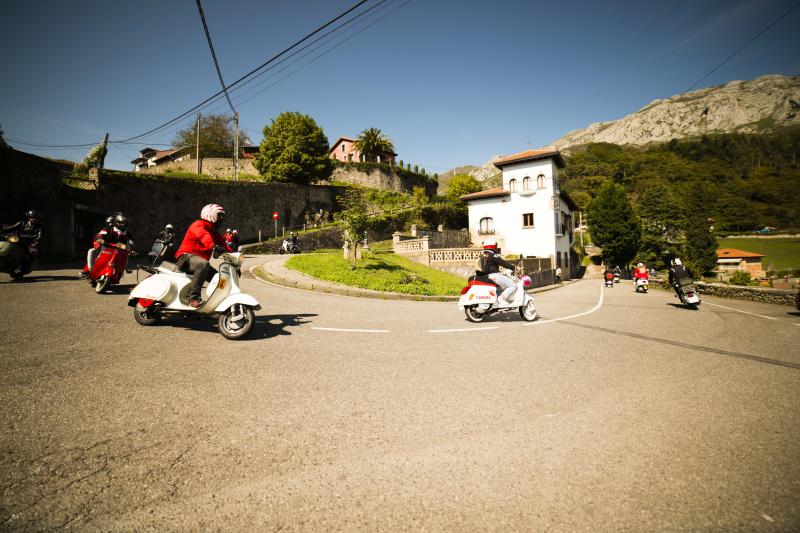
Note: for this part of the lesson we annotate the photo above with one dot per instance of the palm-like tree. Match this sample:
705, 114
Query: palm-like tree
372, 143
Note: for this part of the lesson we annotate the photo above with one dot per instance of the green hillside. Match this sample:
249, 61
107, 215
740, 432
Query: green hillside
782, 253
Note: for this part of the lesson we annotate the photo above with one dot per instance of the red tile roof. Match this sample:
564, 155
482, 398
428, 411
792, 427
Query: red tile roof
488, 193
730, 253
530, 155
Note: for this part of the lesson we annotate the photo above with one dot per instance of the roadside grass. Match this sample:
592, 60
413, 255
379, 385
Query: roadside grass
380, 270
782, 253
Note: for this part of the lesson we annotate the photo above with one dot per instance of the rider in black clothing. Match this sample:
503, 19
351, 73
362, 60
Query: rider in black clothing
30, 233
676, 273
490, 264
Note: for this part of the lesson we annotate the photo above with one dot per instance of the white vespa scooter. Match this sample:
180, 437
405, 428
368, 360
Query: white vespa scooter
479, 299
166, 292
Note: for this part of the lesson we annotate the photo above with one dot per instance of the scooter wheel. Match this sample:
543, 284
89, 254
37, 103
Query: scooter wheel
145, 316
236, 322
528, 312
473, 315
103, 282
18, 275
281, 251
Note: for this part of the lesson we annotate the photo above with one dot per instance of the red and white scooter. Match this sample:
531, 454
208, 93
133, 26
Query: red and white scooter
479, 299
109, 266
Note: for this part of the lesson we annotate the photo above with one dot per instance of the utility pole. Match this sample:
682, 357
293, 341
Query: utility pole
236, 146
197, 144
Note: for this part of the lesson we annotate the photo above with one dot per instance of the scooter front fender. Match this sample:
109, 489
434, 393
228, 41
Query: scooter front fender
238, 298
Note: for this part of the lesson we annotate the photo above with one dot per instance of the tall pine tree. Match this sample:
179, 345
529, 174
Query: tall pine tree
700, 250
614, 225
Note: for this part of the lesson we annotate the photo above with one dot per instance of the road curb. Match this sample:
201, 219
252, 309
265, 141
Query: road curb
297, 280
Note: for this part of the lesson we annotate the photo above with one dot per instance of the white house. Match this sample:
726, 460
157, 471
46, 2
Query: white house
529, 215
150, 157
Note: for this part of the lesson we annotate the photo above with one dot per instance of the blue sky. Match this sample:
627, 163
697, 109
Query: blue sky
450, 82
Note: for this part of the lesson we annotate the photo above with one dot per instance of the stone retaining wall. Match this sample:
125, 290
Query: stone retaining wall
315, 240
754, 294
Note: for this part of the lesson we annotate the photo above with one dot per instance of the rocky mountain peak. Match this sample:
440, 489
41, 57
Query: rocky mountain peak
752, 106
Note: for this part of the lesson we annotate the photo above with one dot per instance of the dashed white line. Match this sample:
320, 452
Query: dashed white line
348, 330
743, 312
461, 329
590, 311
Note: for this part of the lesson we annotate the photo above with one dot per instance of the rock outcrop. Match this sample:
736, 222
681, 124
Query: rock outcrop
753, 106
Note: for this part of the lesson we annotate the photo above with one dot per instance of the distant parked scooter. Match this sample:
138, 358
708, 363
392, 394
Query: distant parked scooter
479, 299
166, 293
109, 266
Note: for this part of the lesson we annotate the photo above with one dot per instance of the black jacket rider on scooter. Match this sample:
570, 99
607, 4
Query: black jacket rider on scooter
677, 272
30, 233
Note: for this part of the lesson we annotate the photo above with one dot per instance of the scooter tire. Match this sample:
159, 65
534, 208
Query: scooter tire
16, 276
145, 316
473, 315
235, 334
528, 312
281, 251
103, 283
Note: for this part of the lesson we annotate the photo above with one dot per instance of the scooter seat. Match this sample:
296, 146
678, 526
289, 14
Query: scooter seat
169, 268
483, 279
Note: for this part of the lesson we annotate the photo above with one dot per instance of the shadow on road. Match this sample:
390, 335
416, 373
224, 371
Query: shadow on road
39, 279
265, 327
681, 306
793, 313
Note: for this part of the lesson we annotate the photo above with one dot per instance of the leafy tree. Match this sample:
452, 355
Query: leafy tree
216, 136
700, 250
354, 220
614, 225
294, 150
92, 160
461, 185
371, 143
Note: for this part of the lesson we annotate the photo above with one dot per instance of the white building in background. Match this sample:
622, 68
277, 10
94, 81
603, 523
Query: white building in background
529, 215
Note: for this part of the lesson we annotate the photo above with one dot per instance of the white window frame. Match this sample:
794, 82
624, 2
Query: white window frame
512, 185
533, 221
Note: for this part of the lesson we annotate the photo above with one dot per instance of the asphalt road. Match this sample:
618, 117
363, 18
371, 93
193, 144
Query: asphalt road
615, 411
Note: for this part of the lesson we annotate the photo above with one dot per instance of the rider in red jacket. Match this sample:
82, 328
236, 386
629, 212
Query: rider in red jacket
198, 246
640, 272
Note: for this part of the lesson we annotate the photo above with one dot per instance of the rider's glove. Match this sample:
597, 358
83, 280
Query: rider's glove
218, 250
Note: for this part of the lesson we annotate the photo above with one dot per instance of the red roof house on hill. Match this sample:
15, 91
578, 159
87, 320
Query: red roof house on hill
730, 260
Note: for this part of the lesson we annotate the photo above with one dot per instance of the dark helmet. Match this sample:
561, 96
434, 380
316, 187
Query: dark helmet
120, 221
109, 220
32, 214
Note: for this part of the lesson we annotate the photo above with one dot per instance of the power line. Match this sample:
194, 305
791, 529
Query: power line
217, 94
745, 45
273, 58
213, 54
213, 99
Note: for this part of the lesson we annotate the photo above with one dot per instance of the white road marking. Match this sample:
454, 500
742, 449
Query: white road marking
353, 330
740, 311
461, 329
590, 311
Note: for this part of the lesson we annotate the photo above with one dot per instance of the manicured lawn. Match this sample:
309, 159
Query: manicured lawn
782, 253
380, 271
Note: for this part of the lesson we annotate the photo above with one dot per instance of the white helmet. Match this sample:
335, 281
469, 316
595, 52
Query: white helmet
169, 226
211, 212
490, 244
235, 231
640, 265
677, 262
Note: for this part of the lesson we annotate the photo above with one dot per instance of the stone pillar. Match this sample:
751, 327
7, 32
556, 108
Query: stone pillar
440, 228
414, 230
426, 243
396, 238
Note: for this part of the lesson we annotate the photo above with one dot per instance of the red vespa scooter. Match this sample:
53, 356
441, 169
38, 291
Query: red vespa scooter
109, 266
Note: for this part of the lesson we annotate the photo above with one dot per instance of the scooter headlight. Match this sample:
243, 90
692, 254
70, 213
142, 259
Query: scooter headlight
13, 238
